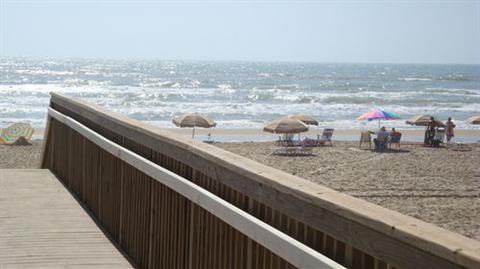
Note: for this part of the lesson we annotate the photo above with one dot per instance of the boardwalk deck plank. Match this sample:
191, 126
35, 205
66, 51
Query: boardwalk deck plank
42, 225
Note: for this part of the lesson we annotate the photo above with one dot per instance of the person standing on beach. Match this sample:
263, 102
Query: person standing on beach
430, 131
449, 131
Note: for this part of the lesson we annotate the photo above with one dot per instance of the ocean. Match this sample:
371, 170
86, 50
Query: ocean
241, 94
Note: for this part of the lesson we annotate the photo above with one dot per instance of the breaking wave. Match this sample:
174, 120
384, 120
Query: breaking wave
240, 94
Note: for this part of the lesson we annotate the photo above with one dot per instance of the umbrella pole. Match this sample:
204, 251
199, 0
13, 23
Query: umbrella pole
193, 132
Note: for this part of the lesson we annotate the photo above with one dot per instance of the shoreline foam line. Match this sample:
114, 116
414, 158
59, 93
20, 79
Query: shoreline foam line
281, 244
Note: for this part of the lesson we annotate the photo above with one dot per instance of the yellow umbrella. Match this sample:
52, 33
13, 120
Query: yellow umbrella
194, 120
474, 120
303, 118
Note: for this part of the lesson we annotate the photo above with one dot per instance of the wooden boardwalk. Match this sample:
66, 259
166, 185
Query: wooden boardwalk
42, 225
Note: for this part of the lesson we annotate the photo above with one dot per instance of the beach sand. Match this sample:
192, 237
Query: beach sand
437, 185
247, 133
21, 157
311, 133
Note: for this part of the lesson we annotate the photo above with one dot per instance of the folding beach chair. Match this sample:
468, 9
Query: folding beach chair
381, 143
304, 151
326, 136
439, 137
366, 137
395, 140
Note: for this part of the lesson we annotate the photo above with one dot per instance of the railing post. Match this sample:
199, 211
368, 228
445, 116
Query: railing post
122, 179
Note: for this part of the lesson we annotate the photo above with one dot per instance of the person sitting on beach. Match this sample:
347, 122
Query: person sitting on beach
382, 136
395, 132
449, 130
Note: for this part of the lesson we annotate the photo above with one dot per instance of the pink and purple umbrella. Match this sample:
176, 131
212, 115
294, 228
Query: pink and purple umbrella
379, 115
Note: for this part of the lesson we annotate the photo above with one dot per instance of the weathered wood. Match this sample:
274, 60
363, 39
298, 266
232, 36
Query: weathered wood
45, 145
43, 226
386, 235
140, 173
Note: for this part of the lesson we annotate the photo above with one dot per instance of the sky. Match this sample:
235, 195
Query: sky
298, 31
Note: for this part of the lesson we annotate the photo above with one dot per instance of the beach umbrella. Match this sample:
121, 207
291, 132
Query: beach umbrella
193, 120
474, 120
419, 120
379, 115
423, 120
13, 132
303, 118
286, 126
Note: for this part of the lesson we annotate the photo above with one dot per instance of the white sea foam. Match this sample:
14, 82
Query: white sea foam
415, 79
238, 95
44, 72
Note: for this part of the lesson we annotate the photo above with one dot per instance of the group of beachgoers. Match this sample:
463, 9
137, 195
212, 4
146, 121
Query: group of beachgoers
433, 127
383, 135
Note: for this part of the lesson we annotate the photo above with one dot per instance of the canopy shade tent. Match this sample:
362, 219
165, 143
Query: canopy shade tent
303, 118
423, 120
474, 120
194, 120
286, 126
13, 132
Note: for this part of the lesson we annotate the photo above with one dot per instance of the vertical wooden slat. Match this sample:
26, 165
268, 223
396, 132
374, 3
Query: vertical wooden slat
357, 261
329, 246
381, 265
369, 261
340, 252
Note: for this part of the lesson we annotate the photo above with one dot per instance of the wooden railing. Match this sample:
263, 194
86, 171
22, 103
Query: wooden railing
158, 227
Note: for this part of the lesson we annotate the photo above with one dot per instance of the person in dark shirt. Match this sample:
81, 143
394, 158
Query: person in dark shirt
430, 132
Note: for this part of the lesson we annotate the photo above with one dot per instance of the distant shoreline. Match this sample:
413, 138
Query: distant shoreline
246, 134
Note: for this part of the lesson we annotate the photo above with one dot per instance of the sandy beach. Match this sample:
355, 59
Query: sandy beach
311, 133
21, 157
437, 185
258, 135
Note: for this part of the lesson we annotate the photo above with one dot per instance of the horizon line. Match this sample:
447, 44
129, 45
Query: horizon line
221, 60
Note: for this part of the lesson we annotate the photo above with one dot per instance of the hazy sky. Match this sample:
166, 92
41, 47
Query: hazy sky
319, 31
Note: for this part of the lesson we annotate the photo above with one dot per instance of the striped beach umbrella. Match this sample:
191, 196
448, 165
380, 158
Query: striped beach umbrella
10, 134
379, 115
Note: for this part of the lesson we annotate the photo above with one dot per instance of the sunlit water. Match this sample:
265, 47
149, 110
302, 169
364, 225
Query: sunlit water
241, 94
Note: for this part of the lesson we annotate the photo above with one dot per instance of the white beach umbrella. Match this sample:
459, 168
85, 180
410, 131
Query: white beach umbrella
194, 120
285, 126
423, 120
303, 118
474, 120
419, 120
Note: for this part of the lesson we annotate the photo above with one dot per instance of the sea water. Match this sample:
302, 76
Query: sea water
241, 94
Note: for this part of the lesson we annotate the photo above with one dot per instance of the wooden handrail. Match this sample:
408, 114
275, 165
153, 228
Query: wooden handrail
279, 243
387, 235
